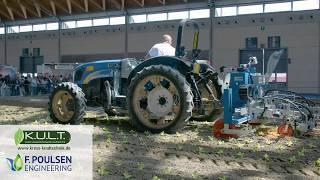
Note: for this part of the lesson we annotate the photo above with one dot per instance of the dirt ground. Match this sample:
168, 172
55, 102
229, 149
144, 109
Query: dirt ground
122, 153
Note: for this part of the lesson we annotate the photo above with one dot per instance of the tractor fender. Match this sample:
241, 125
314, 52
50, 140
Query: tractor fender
173, 62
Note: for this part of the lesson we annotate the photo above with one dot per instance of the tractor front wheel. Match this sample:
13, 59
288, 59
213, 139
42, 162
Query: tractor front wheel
159, 99
67, 104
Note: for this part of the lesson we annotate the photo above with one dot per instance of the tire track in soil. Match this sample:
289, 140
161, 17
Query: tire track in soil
173, 158
170, 154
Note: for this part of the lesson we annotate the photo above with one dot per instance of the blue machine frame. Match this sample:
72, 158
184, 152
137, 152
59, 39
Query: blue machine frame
231, 99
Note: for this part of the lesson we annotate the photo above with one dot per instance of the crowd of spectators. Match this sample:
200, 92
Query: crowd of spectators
28, 85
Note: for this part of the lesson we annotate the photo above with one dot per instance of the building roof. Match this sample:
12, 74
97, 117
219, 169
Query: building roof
11, 10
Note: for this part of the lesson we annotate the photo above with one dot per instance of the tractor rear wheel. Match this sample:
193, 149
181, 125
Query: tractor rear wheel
67, 104
159, 99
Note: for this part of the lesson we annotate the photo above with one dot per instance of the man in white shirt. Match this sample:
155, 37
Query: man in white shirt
162, 49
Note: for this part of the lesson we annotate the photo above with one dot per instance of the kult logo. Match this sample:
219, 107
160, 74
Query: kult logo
16, 164
41, 137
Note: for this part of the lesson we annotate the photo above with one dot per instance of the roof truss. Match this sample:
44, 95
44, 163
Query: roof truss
24, 9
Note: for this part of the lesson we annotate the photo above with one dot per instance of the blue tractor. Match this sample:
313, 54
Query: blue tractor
159, 94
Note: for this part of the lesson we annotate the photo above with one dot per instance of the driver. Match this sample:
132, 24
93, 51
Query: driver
162, 49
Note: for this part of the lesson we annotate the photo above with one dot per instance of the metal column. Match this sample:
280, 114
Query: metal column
319, 60
211, 4
319, 57
5, 45
59, 40
126, 35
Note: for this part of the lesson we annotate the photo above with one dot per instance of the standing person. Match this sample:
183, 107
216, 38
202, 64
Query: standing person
64, 79
2, 88
44, 84
49, 84
1, 82
54, 80
38, 85
60, 80
70, 78
16, 84
22, 90
12, 86
6, 87
26, 85
164, 48
34, 87
5, 90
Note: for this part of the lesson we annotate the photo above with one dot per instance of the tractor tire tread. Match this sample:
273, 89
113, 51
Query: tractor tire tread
187, 105
80, 102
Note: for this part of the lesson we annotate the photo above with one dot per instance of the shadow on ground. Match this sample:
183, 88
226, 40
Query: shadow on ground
194, 154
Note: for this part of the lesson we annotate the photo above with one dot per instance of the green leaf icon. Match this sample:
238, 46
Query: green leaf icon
18, 163
18, 137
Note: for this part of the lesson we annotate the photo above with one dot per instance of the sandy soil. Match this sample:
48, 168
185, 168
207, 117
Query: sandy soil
122, 153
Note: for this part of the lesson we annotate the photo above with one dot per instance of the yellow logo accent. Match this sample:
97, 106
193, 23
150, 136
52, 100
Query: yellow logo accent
196, 68
89, 68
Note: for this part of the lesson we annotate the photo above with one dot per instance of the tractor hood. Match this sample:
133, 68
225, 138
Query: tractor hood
86, 72
97, 63
116, 68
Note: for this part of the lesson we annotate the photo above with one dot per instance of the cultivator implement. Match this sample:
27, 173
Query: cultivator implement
248, 99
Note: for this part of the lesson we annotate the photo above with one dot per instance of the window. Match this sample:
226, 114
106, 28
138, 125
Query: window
39, 27
25, 52
201, 13
218, 12
36, 51
52, 26
178, 15
138, 18
252, 9
226, 11
251, 42
229, 11
277, 7
305, 5
101, 22
84, 23
157, 17
26, 28
274, 42
281, 77
273, 77
69, 24
117, 20
278, 77
2, 30
13, 29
